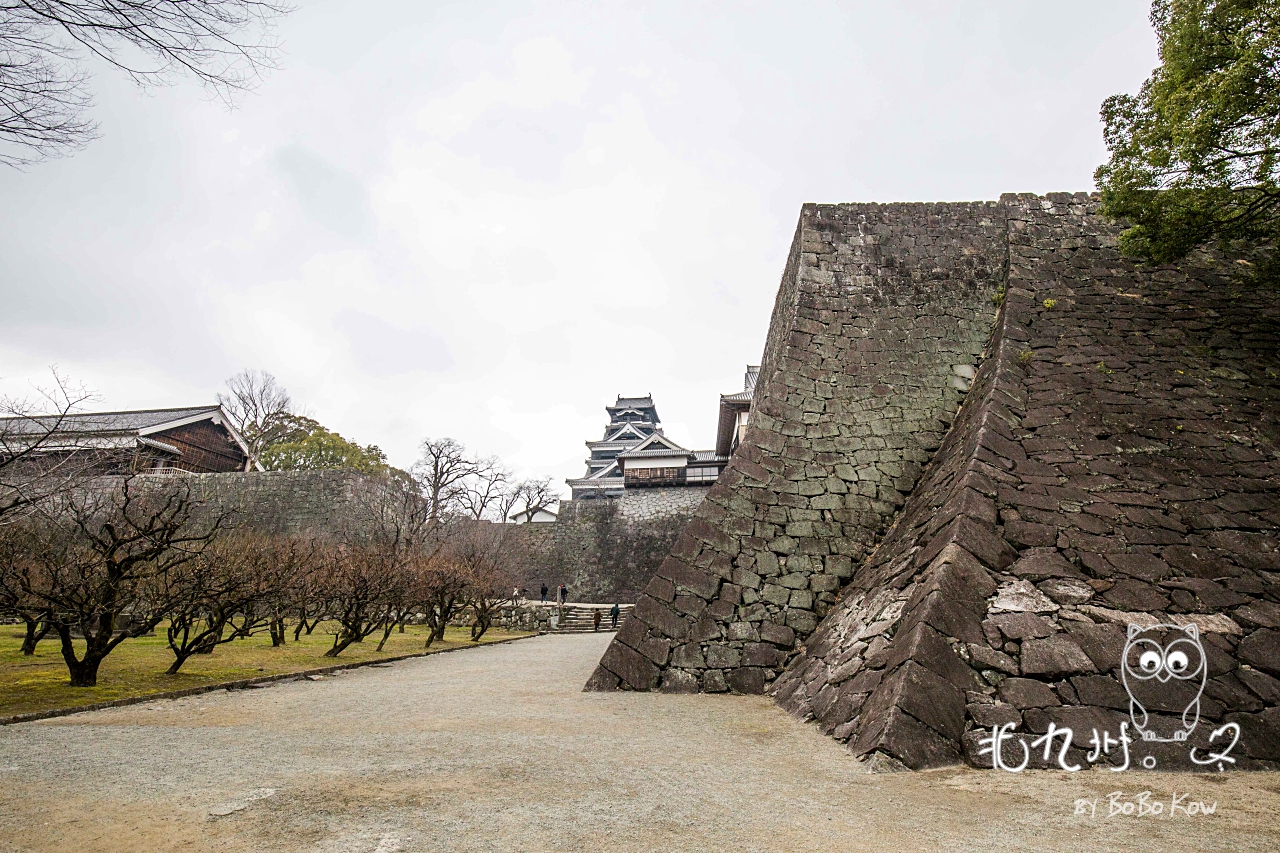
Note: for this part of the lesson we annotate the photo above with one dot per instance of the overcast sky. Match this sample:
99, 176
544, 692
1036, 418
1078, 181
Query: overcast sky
486, 220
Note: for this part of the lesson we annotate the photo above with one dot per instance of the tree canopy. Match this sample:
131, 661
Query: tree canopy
305, 444
1194, 154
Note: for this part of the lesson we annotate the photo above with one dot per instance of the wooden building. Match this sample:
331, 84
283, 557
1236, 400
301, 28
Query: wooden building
199, 439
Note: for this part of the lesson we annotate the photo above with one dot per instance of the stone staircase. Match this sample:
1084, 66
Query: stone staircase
577, 618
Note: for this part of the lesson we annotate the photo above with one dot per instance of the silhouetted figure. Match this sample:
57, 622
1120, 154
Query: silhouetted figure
595, 619
544, 593
613, 614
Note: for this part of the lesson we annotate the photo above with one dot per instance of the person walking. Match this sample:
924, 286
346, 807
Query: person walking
613, 614
564, 595
544, 592
595, 619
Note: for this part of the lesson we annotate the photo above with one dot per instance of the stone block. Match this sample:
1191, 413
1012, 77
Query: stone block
923, 645
1102, 690
1261, 650
713, 681
1054, 656
678, 681
720, 656
1019, 626
801, 598
746, 679
688, 656
762, 654
1040, 563
802, 621
779, 635
1102, 643
989, 716
602, 680
775, 594
633, 669
1023, 693
658, 617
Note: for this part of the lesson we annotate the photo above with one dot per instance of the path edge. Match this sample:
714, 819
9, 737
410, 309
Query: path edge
239, 684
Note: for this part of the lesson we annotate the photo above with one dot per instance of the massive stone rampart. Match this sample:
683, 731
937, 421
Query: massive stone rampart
880, 317
1115, 463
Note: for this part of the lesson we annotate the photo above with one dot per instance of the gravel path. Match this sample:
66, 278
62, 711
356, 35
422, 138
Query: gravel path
498, 749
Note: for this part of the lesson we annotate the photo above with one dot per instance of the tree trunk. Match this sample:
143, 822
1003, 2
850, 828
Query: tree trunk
33, 636
339, 643
178, 660
84, 673
277, 628
386, 632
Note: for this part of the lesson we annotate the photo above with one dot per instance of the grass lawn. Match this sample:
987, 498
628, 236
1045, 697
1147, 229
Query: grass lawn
137, 666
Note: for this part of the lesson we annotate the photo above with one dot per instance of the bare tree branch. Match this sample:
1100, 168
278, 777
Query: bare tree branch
260, 408
36, 459
225, 44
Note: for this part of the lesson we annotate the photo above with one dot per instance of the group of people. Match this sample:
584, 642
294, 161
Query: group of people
562, 595
562, 598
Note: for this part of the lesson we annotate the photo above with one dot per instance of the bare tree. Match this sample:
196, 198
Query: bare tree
98, 553
208, 593
484, 492
480, 549
36, 459
528, 497
374, 579
442, 472
359, 588
260, 408
44, 94
14, 548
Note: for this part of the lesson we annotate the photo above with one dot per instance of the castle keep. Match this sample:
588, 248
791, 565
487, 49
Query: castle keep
980, 446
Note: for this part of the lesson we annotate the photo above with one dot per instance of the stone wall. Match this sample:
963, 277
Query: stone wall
1117, 462
647, 504
606, 550
880, 317
286, 502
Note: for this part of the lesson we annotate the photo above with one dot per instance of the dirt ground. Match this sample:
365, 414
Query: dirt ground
498, 749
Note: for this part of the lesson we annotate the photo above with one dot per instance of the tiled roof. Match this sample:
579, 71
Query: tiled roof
101, 423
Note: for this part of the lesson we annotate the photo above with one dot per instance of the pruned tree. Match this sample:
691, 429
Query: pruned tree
374, 577
481, 551
229, 580
442, 472
14, 601
359, 588
444, 582
98, 556
44, 92
260, 408
36, 458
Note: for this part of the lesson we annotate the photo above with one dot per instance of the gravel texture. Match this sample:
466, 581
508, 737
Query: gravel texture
499, 749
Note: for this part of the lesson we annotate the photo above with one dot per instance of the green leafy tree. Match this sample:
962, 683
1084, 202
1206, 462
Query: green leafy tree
306, 445
1194, 154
